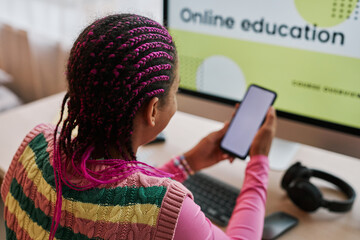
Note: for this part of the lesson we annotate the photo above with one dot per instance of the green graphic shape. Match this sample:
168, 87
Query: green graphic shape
325, 13
286, 70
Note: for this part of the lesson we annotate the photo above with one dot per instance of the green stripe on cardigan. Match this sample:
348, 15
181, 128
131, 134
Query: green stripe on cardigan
38, 216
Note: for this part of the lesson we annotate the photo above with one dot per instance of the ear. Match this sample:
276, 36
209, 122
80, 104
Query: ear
151, 111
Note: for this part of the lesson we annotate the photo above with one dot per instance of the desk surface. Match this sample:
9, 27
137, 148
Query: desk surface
182, 133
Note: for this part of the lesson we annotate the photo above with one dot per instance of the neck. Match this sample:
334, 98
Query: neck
99, 152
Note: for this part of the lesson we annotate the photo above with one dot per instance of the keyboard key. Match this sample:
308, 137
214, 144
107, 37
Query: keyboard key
224, 218
212, 211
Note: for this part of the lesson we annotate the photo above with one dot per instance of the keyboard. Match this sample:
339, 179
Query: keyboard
216, 198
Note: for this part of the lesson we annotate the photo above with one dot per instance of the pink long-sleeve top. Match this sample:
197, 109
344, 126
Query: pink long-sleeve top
247, 220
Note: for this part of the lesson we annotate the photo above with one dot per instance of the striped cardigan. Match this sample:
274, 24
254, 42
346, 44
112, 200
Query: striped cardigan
138, 207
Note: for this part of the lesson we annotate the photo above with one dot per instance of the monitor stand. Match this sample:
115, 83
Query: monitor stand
282, 153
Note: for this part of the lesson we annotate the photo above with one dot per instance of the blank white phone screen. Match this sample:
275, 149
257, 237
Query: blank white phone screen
247, 121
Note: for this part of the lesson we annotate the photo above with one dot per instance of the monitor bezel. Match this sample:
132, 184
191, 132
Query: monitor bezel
291, 116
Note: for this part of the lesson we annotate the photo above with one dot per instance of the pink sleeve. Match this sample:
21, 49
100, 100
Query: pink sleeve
247, 219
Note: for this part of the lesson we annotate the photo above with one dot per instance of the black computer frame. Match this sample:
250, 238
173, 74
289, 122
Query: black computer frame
350, 133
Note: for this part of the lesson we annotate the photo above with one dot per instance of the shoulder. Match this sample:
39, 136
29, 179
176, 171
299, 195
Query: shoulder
39, 139
44, 130
39, 134
172, 186
34, 144
141, 180
37, 145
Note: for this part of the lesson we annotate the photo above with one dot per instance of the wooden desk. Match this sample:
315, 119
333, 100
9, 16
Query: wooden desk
182, 133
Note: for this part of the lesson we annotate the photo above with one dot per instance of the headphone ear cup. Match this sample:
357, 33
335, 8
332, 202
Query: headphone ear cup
293, 173
305, 195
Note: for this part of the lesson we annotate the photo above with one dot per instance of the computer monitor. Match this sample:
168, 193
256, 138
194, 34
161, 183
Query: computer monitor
306, 51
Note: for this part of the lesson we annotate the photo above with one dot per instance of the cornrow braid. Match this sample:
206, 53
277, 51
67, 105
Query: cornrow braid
149, 30
116, 65
148, 36
152, 56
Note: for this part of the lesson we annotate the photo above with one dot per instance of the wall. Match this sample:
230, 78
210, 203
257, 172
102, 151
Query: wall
36, 37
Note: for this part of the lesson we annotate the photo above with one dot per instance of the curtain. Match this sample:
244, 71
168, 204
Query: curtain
36, 37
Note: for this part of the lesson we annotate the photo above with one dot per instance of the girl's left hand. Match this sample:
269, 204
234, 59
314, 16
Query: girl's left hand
207, 152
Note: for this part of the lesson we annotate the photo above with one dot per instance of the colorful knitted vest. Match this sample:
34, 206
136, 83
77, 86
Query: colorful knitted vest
138, 207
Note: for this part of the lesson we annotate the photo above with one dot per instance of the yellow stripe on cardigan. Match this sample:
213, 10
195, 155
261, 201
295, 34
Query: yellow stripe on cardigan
139, 213
27, 224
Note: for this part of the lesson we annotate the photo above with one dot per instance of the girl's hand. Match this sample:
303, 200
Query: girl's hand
263, 138
207, 152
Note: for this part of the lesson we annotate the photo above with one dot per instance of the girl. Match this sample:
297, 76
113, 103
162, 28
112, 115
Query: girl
123, 77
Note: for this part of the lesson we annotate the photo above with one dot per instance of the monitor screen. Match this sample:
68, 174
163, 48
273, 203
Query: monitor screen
308, 52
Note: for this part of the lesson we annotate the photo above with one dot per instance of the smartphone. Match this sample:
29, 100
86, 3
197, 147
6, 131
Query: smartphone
247, 120
278, 223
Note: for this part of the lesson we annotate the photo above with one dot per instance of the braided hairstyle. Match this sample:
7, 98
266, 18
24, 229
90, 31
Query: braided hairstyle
116, 65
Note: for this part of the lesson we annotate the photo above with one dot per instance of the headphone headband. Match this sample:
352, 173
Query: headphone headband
296, 182
337, 206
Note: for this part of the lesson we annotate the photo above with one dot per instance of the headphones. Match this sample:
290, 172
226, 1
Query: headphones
307, 196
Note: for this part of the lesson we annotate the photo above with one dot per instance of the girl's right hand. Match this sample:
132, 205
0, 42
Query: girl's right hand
263, 138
